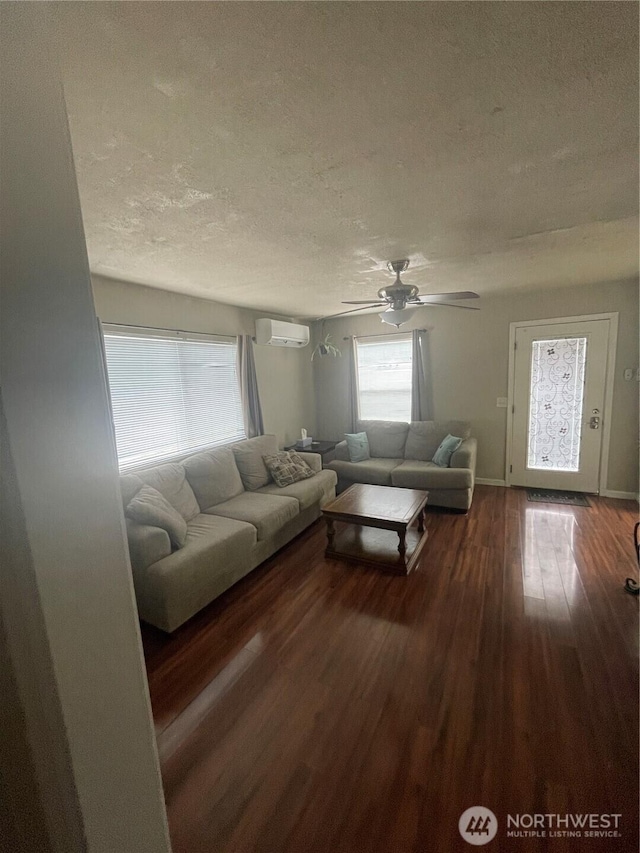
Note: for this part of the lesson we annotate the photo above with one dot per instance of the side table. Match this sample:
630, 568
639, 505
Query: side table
324, 448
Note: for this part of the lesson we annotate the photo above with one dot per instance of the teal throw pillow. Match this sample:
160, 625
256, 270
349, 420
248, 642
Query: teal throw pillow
448, 447
358, 446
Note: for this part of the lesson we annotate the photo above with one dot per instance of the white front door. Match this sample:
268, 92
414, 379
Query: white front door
559, 393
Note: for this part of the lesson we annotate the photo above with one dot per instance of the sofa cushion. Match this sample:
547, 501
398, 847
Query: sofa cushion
267, 513
287, 468
213, 476
317, 489
170, 480
148, 506
386, 438
206, 529
248, 455
376, 472
413, 474
424, 437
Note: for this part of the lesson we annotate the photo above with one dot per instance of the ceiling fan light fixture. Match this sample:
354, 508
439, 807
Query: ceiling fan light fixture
396, 317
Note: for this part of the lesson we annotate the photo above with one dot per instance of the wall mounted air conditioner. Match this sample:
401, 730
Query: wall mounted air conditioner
277, 333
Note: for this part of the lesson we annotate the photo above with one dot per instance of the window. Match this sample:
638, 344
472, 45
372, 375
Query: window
171, 393
384, 377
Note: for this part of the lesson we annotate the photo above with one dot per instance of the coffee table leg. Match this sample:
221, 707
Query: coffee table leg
402, 545
421, 521
330, 533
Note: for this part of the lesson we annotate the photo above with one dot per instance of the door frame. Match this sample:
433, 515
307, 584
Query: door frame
612, 317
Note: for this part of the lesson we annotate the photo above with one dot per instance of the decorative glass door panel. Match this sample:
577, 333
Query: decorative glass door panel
555, 403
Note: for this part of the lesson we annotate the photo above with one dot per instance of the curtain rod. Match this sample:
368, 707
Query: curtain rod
385, 335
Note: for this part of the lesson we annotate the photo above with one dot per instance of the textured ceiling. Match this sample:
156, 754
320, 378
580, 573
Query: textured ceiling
276, 155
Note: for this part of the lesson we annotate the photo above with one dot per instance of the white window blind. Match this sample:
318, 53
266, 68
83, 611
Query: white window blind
171, 393
384, 377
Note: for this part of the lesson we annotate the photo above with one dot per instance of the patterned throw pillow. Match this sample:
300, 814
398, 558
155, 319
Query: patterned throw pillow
287, 467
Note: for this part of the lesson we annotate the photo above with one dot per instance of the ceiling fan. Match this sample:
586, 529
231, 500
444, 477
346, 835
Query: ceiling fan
402, 299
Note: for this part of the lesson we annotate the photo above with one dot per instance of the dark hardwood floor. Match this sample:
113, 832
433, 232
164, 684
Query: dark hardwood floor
319, 706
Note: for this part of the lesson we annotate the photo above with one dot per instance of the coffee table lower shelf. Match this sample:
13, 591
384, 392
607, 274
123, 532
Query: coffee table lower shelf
376, 547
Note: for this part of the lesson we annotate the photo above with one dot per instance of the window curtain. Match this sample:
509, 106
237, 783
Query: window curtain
353, 386
251, 409
420, 387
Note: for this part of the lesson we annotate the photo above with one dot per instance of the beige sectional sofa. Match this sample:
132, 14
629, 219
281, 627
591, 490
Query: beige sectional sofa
236, 518
401, 456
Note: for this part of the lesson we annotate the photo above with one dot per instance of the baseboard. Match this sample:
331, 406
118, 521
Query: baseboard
605, 493
622, 496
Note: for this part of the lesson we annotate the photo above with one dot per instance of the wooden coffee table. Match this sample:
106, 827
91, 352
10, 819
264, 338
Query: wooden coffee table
371, 516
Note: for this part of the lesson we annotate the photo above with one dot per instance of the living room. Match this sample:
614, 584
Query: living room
313, 702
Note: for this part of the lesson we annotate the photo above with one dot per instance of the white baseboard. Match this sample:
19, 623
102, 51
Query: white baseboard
623, 496
605, 493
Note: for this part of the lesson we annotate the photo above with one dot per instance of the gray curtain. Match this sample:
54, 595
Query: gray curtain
251, 409
420, 386
353, 386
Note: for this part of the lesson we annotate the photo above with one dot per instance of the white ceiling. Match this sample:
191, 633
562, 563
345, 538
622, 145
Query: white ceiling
276, 155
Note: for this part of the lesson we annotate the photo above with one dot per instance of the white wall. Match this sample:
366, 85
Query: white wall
35, 751
285, 378
469, 355
68, 610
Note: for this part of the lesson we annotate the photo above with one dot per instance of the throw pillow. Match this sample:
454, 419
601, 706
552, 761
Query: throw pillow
448, 446
148, 506
287, 468
358, 446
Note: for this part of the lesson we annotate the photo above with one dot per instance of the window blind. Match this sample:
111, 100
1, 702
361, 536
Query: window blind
384, 378
171, 393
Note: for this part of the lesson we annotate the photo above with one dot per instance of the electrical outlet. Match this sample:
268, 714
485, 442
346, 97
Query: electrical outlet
501, 403
628, 373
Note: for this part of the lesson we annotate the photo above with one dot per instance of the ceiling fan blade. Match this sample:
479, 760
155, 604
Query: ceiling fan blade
449, 305
362, 302
445, 297
352, 310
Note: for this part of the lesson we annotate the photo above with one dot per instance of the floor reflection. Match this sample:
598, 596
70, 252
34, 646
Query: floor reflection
187, 722
549, 568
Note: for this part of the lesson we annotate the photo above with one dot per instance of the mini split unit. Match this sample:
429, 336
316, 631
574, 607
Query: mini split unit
276, 333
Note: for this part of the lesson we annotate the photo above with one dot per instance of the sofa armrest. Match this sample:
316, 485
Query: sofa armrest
465, 455
342, 451
313, 460
147, 544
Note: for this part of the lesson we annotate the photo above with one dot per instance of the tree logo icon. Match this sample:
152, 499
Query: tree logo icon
478, 825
